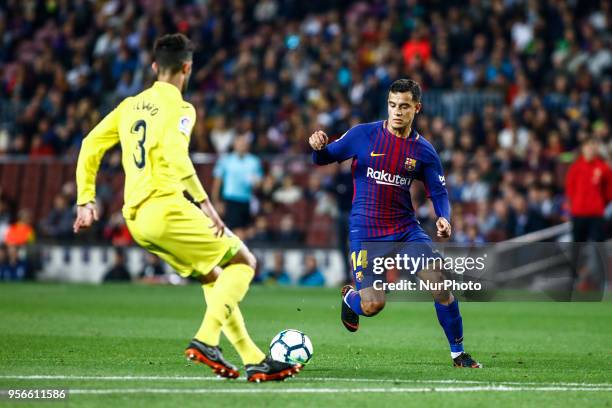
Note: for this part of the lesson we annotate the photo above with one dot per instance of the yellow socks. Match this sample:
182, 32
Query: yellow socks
222, 312
236, 332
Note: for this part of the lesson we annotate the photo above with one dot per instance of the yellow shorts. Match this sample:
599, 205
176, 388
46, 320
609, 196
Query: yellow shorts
178, 232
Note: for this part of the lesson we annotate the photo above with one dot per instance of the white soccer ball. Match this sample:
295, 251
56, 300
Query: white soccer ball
291, 346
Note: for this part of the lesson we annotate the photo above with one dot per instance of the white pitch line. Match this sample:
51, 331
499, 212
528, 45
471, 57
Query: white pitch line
329, 390
303, 378
492, 382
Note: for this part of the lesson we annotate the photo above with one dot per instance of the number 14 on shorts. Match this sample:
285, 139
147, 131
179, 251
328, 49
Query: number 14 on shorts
359, 259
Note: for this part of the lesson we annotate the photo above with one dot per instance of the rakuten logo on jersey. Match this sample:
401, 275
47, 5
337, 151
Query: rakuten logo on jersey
388, 179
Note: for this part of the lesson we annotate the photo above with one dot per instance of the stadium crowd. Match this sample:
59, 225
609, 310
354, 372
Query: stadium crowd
527, 82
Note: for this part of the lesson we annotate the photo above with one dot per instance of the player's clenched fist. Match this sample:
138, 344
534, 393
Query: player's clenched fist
318, 140
443, 227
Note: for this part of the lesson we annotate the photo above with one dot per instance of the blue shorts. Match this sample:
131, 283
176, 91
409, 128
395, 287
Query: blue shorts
363, 254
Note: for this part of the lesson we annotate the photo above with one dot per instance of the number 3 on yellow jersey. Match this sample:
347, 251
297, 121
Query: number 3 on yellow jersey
140, 128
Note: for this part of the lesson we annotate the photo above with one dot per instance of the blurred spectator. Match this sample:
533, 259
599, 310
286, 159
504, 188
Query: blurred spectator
500, 222
58, 223
69, 191
551, 205
287, 232
417, 50
236, 174
589, 190
288, 193
473, 235
324, 202
13, 268
153, 270
526, 219
312, 276
222, 136
277, 274
39, 148
152, 267
21, 231
118, 272
5, 216
266, 191
127, 86
474, 190
314, 187
5, 274
261, 231
116, 231
456, 187
514, 137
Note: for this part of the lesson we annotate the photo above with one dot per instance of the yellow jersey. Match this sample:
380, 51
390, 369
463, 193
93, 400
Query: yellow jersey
154, 129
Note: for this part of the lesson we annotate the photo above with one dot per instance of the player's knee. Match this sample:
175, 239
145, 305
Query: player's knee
370, 308
244, 256
443, 296
250, 259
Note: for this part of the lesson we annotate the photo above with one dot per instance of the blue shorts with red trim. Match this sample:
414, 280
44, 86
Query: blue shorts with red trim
363, 254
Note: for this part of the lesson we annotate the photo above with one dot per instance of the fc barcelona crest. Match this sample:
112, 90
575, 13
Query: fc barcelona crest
410, 164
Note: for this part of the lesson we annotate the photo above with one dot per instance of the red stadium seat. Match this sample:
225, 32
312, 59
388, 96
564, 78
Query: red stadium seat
52, 185
301, 179
470, 208
30, 195
11, 179
204, 172
319, 233
302, 213
117, 184
69, 172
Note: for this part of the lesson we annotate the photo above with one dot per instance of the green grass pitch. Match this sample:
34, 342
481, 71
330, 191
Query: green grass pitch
122, 345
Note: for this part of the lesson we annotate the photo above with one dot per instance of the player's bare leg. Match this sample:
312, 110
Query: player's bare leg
372, 301
450, 319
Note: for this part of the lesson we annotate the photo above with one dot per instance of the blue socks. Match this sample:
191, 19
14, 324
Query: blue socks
450, 320
448, 316
353, 300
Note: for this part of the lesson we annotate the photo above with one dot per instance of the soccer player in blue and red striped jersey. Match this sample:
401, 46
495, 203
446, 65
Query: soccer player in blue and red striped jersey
387, 156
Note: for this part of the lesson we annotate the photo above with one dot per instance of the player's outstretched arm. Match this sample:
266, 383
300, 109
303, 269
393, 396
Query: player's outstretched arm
435, 187
337, 151
104, 136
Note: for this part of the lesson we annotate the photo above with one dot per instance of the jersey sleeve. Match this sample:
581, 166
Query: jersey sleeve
101, 138
435, 183
176, 151
339, 150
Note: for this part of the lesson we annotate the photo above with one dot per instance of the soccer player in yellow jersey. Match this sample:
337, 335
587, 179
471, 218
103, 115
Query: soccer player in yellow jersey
154, 128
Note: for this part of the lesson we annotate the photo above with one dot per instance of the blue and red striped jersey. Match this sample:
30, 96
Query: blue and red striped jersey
384, 167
